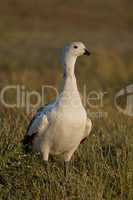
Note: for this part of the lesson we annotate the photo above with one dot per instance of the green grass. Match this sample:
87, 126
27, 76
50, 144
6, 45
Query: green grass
100, 169
31, 35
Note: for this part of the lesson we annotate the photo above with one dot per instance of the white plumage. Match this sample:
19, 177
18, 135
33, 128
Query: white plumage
60, 126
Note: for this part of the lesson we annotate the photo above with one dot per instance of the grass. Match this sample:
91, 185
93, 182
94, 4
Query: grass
30, 40
100, 169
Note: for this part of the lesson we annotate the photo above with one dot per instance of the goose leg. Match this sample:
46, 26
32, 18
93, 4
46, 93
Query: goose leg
67, 158
66, 167
46, 166
45, 154
47, 170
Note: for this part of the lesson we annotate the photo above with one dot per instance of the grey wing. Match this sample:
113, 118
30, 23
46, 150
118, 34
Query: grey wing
40, 121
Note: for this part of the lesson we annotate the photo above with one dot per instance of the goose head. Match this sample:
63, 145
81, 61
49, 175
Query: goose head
70, 54
76, 49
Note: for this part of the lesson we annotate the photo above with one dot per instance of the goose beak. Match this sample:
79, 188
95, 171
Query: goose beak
87, 53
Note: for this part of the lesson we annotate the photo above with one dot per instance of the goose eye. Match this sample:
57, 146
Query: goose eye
75, 47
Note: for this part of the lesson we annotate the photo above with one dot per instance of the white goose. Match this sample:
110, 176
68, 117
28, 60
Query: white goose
60, 126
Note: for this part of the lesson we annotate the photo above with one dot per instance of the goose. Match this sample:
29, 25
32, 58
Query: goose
61, 125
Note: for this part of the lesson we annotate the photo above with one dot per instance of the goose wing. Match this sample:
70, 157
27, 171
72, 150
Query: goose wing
40, 119
38, 123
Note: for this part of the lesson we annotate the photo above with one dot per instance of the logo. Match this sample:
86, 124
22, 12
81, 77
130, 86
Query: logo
124, 100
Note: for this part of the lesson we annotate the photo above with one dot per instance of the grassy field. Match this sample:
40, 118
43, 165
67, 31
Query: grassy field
31, 36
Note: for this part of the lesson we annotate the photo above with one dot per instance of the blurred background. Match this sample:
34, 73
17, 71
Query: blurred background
33, 32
